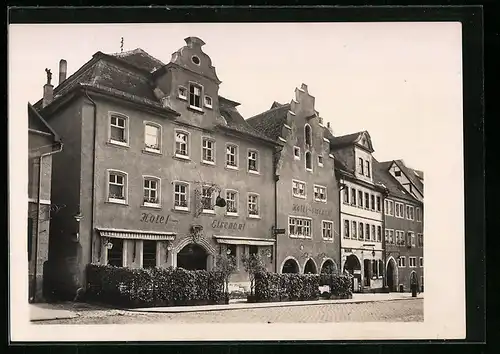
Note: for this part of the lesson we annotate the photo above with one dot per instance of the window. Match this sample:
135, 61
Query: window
411, 238
353, 196
373, 233
379, 233
298, 189
379, 204
409, 212
231, 249
195, 60
346, 229
360, 166
207, 202
308, 134
181, 196
232, 156
117, 187
360, 235
397, 173
231, 202
148, 254
253, 205
367, 201
402, 262
118, 130
386, 236
320, 161
354, 230
372, 198
419, 214
308, 161
421, 262
399, 210
182, 93
208, 101
296, 153
115, 254
327, 229
181, 144
253, 165
299, 227
346, 195
152, 137
208, 150
391, 237
367, 168
367, 234
253, 250
195, 96
389, 207
420, 240
360, 199
151, 191
412, 261
400, 238
319, 193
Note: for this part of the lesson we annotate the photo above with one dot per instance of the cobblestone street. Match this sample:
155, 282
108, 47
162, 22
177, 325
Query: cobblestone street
388, 311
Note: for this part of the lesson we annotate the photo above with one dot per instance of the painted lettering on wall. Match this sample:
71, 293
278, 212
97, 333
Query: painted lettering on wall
156, 219
219, 224
307, 209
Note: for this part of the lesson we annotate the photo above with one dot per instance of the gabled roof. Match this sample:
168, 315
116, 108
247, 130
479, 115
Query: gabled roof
271, 122
36, 121
382, 176
339, 142
409, 173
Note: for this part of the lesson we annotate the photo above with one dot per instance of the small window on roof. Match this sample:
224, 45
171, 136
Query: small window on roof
195, 60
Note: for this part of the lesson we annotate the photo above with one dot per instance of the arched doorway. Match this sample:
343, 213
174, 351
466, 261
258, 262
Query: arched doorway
391, 275
310, 267
328, 267
290, 266
353, 266
192, 257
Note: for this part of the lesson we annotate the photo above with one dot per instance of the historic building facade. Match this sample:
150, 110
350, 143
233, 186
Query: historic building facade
361, 211
403, 214
43, 143
152, 152
307, 192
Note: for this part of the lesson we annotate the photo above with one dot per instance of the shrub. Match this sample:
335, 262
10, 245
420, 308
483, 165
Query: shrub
253, 264
153, 287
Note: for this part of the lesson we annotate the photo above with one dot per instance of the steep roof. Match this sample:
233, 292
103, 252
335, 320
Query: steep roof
381, 175
140, 59
411, 174
344, 140
271, 122
36, 121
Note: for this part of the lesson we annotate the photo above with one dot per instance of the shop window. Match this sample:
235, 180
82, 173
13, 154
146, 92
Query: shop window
148, 254
115, 254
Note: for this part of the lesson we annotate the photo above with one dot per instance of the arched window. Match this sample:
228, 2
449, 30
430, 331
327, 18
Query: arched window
308, 160
307, 134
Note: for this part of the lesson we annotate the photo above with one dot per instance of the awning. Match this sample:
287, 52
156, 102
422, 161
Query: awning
137, 234
233, 240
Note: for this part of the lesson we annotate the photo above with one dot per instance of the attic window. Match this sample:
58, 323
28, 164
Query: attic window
208, 101
195, 60
182, 93
397, 173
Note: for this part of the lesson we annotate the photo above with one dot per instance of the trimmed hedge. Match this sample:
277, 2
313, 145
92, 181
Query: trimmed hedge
153, 287
271, 287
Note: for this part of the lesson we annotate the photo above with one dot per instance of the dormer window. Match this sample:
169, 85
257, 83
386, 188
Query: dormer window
182, 93
195, 96
208, 101
307, 134
360, 166
367, 168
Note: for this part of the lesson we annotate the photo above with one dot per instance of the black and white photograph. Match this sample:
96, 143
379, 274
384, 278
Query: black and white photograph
256, 177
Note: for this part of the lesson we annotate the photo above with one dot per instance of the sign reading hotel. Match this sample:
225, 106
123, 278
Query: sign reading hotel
156, 219
307, 209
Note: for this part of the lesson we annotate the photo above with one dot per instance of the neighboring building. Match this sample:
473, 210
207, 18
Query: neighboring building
404, 224
149, 149
362, 221
43, 142
307, 191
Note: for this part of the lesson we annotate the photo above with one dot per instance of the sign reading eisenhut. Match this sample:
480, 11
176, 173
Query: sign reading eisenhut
219, 224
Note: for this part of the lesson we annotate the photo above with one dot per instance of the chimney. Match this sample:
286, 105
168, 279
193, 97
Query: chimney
329, 127
63, 68
48, 90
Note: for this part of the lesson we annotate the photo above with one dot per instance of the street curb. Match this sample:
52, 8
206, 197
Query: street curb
263, 305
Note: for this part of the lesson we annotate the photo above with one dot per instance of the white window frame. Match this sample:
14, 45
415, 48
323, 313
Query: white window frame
314, 191
388, 203
354, 230
208, 105
323, 223
125, 186
236, 156
402, 262
378, 203
236, 202
211, 140
304, 196
310, 226
420, 236
354, 201
346, 231
296, 148
180, 95
393, 234
411, 236
366, 194
177, 207
367, 168
397, 211
320, 160
305, 161
361, 197
188, 144
253, 216
421, 262
126, 134
160, 135
348, 199
158, 191
410, 212
257, 161
414, 259
212, 200
418, 212
373, 202
202, 99
361, 166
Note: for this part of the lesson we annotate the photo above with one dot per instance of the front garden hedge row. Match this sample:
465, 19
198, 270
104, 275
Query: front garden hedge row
153, 287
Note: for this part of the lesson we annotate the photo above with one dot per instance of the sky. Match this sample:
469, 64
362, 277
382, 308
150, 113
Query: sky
391, 79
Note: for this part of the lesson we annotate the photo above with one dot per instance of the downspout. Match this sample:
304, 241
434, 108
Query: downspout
341, 185
38, 204
384, 245
276, 179
92, 214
